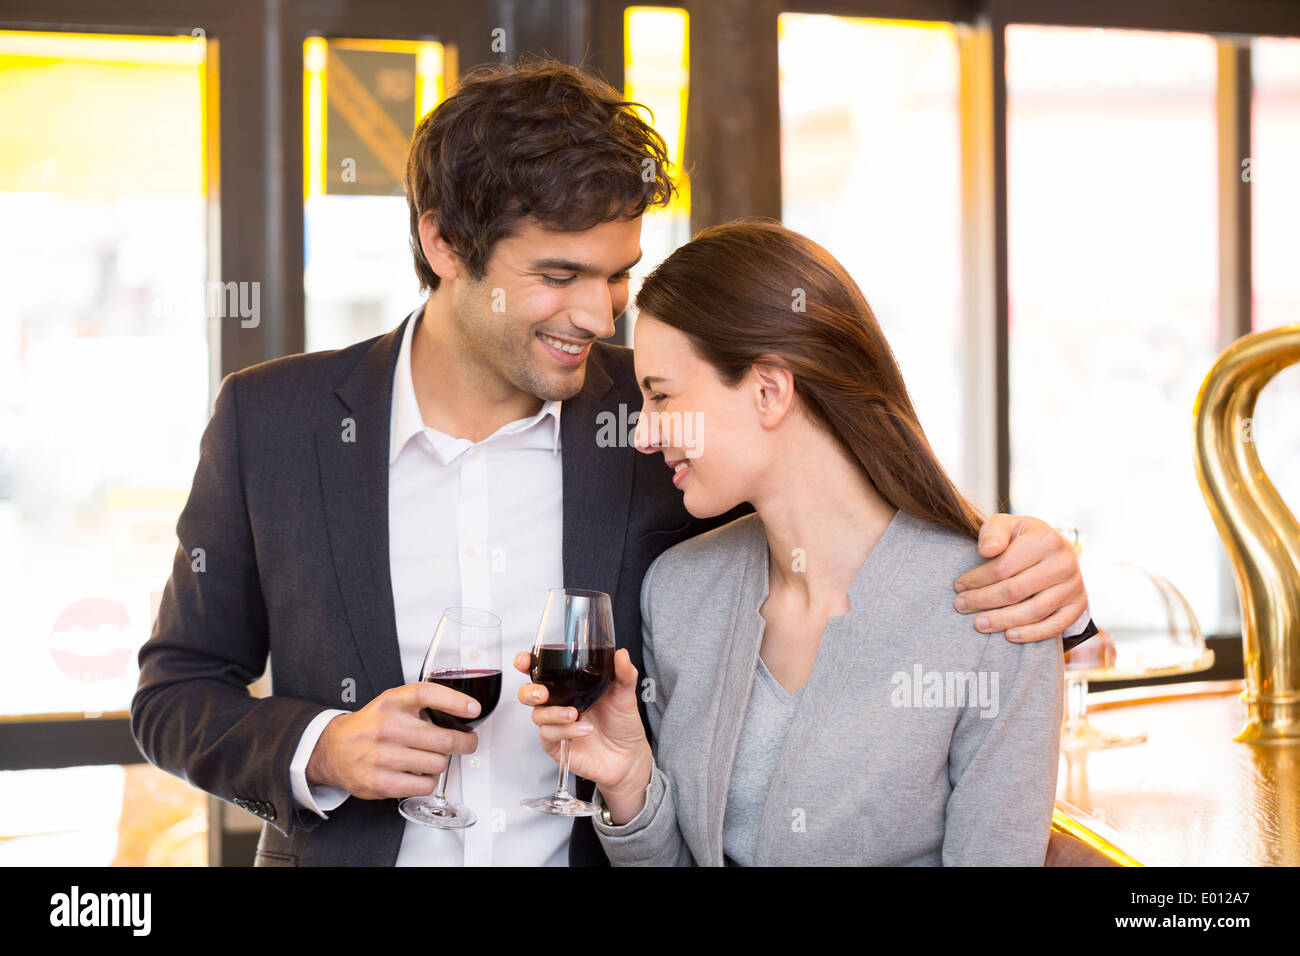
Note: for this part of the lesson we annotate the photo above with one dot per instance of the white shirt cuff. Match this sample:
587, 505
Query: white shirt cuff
1079, 626
321, 798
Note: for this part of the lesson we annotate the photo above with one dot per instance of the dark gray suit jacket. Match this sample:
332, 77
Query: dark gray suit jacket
292, 523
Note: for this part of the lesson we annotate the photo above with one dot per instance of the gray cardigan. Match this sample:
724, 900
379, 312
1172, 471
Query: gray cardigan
917, 740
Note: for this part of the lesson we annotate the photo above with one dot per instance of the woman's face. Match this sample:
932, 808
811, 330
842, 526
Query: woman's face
706, 431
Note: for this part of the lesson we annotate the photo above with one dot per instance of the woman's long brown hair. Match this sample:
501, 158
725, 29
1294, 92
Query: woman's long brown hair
753, 288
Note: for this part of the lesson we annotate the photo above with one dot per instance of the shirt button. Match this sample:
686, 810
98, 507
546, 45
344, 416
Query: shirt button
474, 454
474, 762
428, 445
473, 655
471, 551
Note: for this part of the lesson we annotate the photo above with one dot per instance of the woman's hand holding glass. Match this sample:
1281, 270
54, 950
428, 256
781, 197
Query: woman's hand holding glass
607, 746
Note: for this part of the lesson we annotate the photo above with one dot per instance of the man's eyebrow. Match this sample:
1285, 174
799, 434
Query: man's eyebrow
582, 268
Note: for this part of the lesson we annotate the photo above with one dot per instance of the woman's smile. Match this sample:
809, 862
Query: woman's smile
680, 467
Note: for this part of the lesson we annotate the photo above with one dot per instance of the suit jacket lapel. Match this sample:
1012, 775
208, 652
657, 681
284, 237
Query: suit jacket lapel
597, 484
354, 480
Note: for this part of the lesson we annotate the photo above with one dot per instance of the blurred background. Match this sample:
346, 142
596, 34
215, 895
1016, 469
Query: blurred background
1060, 212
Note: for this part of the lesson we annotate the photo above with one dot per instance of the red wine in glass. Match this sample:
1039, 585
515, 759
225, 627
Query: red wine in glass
572, 676
483, 685
573, 658
465, 655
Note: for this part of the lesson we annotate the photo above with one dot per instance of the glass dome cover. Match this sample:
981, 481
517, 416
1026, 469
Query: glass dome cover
1146, 626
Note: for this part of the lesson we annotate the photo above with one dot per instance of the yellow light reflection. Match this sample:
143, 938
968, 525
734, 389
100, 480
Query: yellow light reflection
656, 55
104, 48
429, 74
60, 91
313, 116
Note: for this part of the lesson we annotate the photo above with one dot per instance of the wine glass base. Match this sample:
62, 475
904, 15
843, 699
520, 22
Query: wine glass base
443, 816
564, 806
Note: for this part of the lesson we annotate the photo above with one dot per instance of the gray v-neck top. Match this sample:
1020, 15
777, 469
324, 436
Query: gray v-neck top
767, 719
916, 741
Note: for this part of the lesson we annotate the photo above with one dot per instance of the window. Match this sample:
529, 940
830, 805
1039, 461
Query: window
656, 74
362, 100
104, 360
870, 170
1275, 247
1113, 232
135, 815
104, 388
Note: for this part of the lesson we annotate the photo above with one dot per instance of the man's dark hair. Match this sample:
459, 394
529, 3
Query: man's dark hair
542, 140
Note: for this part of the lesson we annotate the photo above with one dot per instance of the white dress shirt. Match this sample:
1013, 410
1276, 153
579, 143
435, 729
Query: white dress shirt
477, 525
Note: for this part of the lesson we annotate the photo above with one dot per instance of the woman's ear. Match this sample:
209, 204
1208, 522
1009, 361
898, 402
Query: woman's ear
773, 386
438, 251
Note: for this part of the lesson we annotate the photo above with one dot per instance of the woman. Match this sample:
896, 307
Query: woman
813, 694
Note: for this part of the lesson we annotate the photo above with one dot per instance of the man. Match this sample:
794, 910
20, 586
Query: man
344, 499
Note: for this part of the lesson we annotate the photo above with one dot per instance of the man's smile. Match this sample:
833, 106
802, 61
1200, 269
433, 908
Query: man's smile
565, 351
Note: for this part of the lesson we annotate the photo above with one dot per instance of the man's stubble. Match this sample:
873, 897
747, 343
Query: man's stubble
501, 346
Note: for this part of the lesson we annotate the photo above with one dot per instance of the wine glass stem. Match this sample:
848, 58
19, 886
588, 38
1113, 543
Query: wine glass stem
1076, 699
441, 795
562, 787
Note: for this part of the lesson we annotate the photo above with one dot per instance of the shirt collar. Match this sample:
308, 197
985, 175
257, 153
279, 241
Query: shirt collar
406, 422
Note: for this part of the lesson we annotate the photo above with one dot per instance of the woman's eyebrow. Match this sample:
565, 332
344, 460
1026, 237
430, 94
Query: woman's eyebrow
645, 382
582, 268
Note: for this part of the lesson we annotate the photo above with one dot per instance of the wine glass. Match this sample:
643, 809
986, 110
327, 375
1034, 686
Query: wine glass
465, 655
573, 658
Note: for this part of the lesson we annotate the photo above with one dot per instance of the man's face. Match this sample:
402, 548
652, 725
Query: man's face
545, 298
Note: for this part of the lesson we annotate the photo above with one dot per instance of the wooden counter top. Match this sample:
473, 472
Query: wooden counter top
1190, 795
